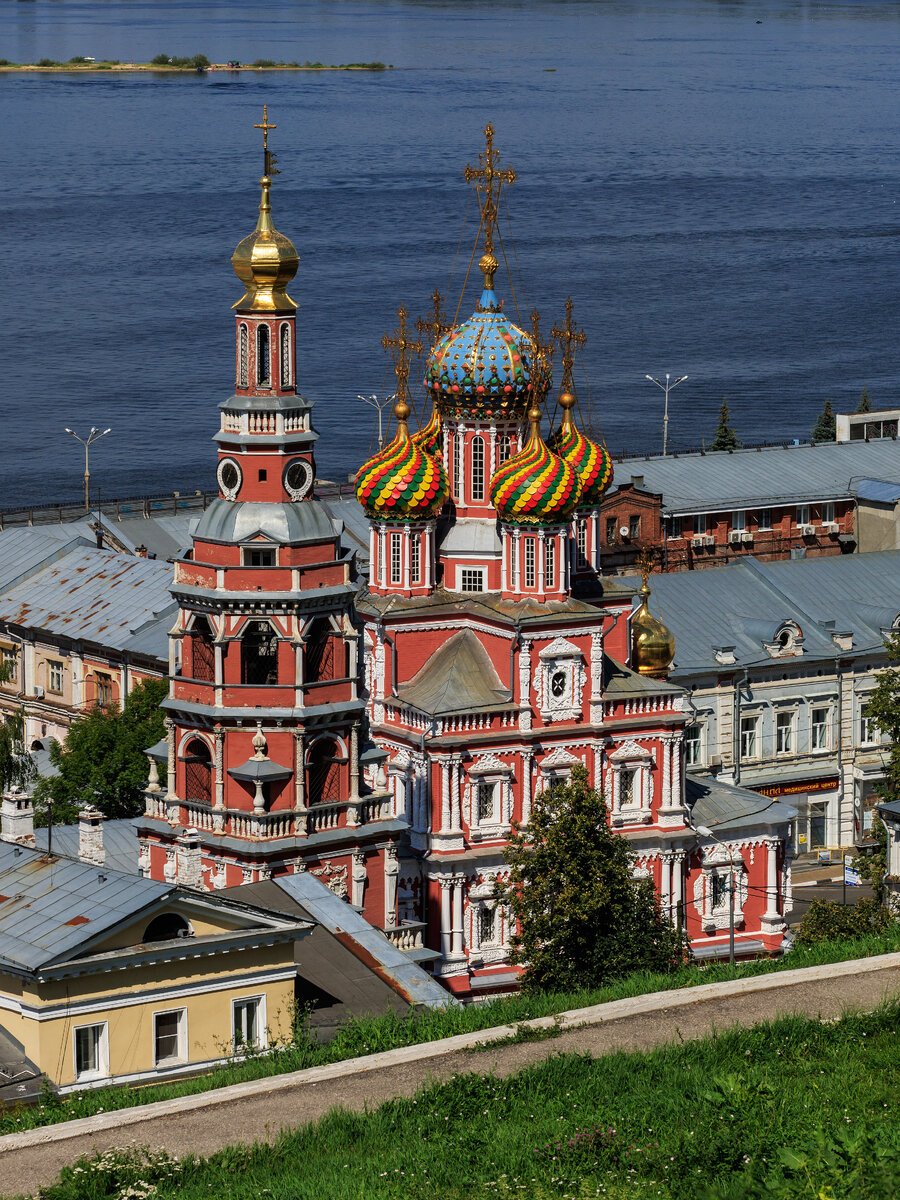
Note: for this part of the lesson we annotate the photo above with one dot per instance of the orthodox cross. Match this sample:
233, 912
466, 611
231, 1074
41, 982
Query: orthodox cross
569, 338
399, 346
489, 180
438, 324
543, 353
268, 156
645, 563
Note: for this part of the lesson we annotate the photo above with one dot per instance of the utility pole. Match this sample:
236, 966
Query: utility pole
666, 387
93, 436
380, 405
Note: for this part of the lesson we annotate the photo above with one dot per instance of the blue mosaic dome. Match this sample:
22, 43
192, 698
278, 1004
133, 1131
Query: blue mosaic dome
482, 368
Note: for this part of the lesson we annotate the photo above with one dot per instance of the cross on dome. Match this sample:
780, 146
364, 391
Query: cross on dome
438, 325
543, 356
399, 346
568, 337
489, 178
269, 159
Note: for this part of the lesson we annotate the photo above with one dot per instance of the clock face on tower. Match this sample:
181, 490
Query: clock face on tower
298, 478
229, 477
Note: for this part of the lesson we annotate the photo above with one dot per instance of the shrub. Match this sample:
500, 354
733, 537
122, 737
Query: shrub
264, 62
47, 62
79, 58
199, 62
829, 921
161, 60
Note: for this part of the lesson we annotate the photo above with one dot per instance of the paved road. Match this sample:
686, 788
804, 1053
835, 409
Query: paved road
262, 1116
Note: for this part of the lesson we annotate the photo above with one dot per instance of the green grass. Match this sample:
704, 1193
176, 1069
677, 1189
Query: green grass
793, 1109
371, 1035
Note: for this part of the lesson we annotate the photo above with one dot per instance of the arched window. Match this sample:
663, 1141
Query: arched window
285, 356
502, 450
167, 926
259, 654
550, 565
262, 354
244, 358
197, 772
477, 468
203, 651
325, 653
324, 773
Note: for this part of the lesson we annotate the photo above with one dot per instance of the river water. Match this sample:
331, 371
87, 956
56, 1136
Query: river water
714, 183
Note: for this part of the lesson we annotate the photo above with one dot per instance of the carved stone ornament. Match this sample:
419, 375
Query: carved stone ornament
490, 764
334, 878
560, 759
629, 751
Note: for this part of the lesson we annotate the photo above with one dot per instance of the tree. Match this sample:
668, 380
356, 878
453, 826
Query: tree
726, 438
864, 406
16, 766
581, 916
825, 429
103, 764
883, 707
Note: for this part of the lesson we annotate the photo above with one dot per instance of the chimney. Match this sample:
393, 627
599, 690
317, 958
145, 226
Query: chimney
637, 481
190, 865
17, 818
90, 837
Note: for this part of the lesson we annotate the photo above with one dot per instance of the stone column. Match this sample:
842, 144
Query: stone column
666, 747
457, 949
445, 794
772, 917
527, 769
391, 873
301, 815
525, 685
446, 883
678, 860
455, 813
358, 879
541, 549
171, 797
596, 701
665, 883
354, 806
219, 781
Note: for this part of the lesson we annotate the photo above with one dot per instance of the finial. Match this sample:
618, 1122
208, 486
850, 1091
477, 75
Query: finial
400, 346
260, 746
541, 370
489, 180
269, 159
534, 416
645, 563
569, 337
438, 325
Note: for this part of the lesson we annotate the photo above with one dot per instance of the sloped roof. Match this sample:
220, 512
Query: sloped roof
24, 551
620, 681
721, 806
459, 677
287, 524
120, 841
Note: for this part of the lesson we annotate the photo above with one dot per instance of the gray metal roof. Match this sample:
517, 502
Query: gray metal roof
98, 596
743, 604
877, 491
23, 551
288, 524
770, 476
163, 537
50, 908
721, 806
459, 677
120, 841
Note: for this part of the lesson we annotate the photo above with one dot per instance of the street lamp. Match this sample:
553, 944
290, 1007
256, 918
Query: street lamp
666, 387
87, 442
380, 405
704, 832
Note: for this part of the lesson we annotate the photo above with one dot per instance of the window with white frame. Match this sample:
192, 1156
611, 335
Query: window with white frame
485, 799
828, 512
764, 518
55, 675
502, 449
457, 458
739, 521
818, 729
477, 448
628, 786
415, 559
104, 689
170, 1037
631, 783
285, 356
700, 524
529, 562
91, 1047
676, 527
868, 730
471, 579
262, 354
487, 924
784, 733
488, 797
396, 558
248, 1023
693, 745
550, 564
802, 514
749, 737
9, 660
244, 358
581, 540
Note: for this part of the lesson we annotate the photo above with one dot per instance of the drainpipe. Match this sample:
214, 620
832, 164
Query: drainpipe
840, 740
736, 735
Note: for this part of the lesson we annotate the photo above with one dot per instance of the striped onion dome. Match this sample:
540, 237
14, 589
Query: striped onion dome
483, 367
592, 463
430, 437
402, 482
535, 487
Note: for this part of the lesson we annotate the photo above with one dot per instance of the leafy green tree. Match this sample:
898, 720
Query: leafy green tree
825, 429
102, 763
831, 921
16, 766
864, 406
883, 706
726, 438
582, 919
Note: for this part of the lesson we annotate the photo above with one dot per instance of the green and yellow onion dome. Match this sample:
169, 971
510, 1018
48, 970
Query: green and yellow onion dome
430, 437
402, 482
483, 367
535, 487
592, 463
652, 643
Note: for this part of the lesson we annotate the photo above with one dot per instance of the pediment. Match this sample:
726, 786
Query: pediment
560, 648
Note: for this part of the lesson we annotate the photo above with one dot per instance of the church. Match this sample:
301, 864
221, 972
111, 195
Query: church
386, 735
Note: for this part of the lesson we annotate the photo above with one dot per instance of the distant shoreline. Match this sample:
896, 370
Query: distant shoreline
103, 67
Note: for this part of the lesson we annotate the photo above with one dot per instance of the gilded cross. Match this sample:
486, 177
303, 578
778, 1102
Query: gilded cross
645, 563
543, 354
399, 346
489, 180
438, 324
269, 158
569, 338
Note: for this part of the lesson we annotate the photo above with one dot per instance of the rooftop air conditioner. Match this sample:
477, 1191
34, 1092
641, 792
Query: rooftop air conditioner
698, 540
746, 537
38, 691
830, 526
709, 541
807, 531
735, 536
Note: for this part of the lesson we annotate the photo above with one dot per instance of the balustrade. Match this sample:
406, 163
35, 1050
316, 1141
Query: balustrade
409, 935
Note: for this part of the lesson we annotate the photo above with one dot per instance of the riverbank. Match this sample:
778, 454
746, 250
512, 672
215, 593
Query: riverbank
86, 68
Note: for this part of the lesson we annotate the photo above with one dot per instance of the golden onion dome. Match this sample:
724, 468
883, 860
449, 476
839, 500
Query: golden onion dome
536, 486
265, 262
402, 482
652, 643
592, 463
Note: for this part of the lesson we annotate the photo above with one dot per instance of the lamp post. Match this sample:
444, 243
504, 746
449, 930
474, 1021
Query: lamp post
666, 387
704, 832
380, 405
87, 442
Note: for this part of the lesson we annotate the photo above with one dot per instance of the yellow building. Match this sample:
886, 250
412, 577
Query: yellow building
106, 976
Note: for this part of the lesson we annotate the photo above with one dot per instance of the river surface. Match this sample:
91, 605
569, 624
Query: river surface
714, 183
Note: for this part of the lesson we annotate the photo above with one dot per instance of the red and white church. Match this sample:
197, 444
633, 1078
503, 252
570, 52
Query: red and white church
386, 737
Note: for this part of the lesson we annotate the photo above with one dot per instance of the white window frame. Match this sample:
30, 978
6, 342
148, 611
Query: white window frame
495, 775
581, 538
476, 447
676, 528
701, 524
698, 758
869, 734
468, 577
739, 521
764, 518
56, 675
262, 1033
802, 515
784, 731
824, 725
396, 552
747, 755
550, 564
181, 1055
415, 558
529, 569
101, 1071
828, 512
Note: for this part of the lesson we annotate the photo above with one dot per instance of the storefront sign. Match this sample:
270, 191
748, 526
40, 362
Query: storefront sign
795, 788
